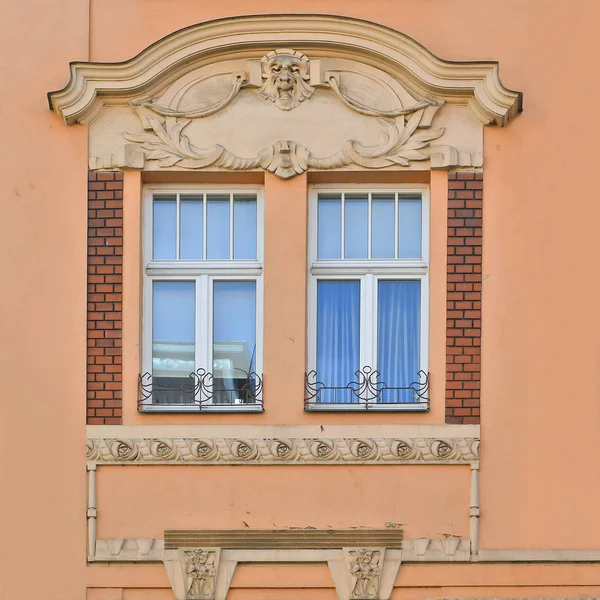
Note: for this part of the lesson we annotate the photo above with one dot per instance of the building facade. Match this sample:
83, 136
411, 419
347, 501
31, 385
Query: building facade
297, 280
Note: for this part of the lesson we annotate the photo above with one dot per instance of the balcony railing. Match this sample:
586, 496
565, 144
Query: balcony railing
201, 390
367, 392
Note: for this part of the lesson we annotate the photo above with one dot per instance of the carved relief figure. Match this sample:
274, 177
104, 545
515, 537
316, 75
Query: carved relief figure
200, 570
365, 572
286, 78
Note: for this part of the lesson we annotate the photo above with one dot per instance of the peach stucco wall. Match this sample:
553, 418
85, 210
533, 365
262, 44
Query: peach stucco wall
328, 497
540, 475
43, 220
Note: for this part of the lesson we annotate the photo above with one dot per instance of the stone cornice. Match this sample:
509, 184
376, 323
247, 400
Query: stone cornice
282, 539
476, 84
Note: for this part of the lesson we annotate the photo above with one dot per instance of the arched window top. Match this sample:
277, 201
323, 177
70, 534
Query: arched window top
299, 92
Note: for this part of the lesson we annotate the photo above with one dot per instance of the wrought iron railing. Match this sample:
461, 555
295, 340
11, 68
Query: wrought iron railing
367, 392
201, 390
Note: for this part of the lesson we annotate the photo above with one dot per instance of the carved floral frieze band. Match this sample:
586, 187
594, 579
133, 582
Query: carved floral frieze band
287, 451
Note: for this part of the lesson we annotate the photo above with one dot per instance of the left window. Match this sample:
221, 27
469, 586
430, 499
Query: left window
203, 300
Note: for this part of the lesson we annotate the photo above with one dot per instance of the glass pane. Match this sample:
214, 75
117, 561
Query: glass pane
382, 226
217, 231
409, 228
173, 341
234, 341
398, 337
164, 223
355, 225
329, 226
244, 226
338, 338
191, 218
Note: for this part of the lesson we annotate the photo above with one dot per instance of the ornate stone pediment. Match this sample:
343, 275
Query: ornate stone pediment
287, 95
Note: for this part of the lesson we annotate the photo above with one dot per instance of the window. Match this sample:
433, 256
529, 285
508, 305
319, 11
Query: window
202, 322
368, 303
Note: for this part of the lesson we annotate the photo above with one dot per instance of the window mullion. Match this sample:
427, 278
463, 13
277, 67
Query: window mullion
369, 227
230, 226
396, 241
204, 227
343, 227
202, 329
178, 226
366, 345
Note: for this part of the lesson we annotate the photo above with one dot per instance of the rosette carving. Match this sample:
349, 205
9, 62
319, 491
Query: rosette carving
244, 449
124, 449
444, 449
323, 449
363, 449
91, 450
283, 449
204, 450
163, 449
404, 449
475, 448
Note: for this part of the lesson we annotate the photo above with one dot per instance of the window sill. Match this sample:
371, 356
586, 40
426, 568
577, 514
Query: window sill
210, 408
361, 407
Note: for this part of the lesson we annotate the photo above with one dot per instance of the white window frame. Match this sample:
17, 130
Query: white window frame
369, 272
203, 272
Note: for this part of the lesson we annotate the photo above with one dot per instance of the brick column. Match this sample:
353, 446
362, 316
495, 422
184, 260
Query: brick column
463, 313
104, 296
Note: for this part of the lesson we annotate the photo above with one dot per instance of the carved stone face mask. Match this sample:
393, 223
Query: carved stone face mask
286, 78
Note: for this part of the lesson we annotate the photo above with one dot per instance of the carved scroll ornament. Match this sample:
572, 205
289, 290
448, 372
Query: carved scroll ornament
405, 132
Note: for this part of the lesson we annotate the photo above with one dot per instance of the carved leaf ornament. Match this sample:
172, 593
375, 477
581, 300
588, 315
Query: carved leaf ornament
399, 144
284, 82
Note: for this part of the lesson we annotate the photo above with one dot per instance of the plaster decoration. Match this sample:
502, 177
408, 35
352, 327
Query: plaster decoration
201, 573
285, 74
128, 156
475, 84
237, 80
129, 550
358, 96
364, 566
399, 145
182, 450
195, 573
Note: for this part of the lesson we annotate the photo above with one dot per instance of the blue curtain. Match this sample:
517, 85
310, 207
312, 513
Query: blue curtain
398, 336
338, 337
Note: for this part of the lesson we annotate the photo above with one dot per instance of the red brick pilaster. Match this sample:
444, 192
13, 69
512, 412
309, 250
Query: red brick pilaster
104, 296
463, 313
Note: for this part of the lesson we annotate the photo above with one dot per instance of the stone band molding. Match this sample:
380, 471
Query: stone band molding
292, 451
441, 550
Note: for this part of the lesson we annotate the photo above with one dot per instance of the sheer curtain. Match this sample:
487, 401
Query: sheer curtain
398, 336
338, 337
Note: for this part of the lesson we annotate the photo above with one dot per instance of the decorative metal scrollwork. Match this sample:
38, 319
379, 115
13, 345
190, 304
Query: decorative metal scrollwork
366, 391
200, 389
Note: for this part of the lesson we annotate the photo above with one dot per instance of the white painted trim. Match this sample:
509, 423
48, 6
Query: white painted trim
369, 272
203, 272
